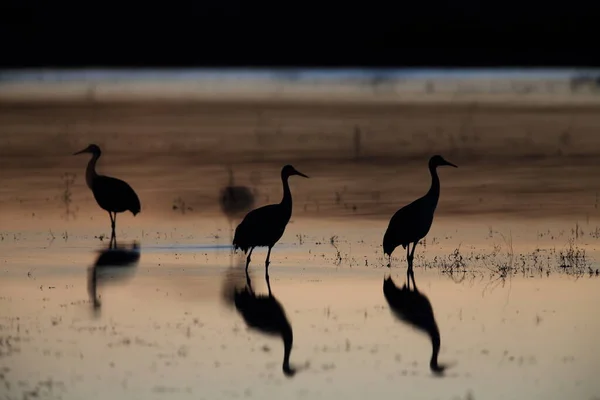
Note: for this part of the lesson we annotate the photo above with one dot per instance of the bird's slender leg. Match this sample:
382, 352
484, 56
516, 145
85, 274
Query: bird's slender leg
248, 258
409, 264
390, 262
232, 250
269, 286
112, 221
92, 288
412, 254
114, 226
249, 282
112, 231
267, 262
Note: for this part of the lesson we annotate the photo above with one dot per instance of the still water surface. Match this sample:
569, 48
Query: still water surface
162, 326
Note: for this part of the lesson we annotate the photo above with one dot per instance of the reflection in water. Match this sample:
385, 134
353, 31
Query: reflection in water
112, 265
262, 313
414, 308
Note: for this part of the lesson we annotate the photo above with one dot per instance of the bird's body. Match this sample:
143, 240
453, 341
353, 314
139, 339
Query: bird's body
414, 308
409, 216
105, 189
112, 195
412, 222
264, 226
253, 231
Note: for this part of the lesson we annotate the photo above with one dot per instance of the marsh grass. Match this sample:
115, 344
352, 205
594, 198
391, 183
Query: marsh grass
66, 197
503, 262
180, 204
499, 262
338, 257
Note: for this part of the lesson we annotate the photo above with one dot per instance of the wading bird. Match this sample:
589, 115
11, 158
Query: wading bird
412, 222
111, 194
235, 200
413, 308
264, 226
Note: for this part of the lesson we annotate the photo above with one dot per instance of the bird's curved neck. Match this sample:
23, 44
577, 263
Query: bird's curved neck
435, 347
92, 285
434, 190
288, 340
287, 194
90, 172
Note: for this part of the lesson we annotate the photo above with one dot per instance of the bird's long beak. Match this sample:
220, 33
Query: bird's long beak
450, 164
301, 174
80, 151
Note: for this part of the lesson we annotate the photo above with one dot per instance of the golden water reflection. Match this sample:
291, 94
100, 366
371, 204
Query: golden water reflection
167, 331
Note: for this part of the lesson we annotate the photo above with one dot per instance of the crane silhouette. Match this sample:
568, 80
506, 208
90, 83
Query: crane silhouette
414, 308
412, 222
262, 313
235, 200
112, 264
264, 226
111, 194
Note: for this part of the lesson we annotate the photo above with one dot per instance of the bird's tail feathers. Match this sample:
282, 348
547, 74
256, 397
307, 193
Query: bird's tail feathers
241, 246
135, 211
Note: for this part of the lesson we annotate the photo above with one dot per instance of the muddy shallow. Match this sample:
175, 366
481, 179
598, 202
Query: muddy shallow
163, 327
510, 272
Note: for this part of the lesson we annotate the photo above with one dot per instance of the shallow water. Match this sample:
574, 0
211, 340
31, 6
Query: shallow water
163, 327
511, 273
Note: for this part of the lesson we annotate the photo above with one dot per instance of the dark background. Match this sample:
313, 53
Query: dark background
309, 33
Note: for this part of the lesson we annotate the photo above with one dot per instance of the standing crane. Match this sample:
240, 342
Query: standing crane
264, 226
414, 308
111, 194
412, 222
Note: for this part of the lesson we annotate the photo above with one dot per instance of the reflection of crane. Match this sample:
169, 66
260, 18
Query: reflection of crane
111, 194
235, 200
411, 223
112, 263
414, 308
266, 315
264, 226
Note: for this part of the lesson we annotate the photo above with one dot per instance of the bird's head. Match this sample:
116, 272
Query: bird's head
288, 170
437, 369
437, 161
92, 148
288, 371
